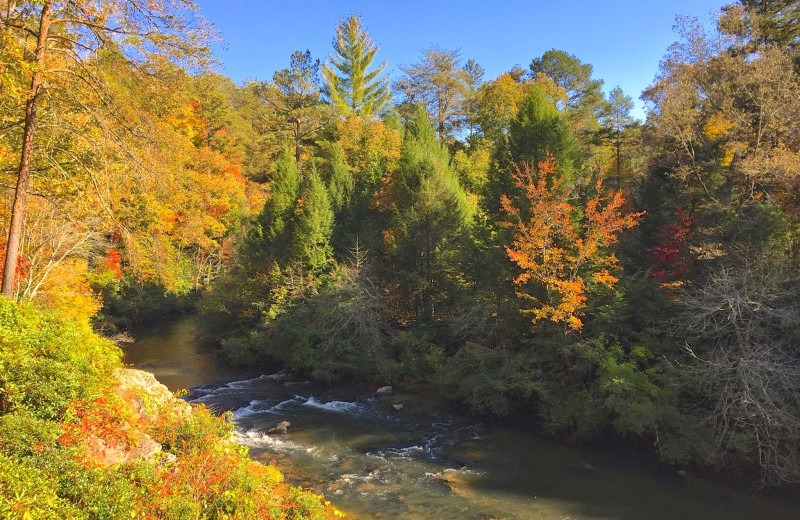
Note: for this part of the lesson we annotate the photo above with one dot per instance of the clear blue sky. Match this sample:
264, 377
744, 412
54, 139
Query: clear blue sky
624, 40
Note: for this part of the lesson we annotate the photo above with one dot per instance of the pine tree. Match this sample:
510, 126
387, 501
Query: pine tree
351, 88
269, 235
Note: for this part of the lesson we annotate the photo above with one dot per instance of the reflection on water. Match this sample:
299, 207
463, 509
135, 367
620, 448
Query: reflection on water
178, 353
427, 459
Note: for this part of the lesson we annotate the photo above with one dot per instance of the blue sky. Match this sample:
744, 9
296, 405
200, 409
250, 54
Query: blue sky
623, 40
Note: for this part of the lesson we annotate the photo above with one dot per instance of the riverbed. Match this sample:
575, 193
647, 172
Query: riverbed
430, 459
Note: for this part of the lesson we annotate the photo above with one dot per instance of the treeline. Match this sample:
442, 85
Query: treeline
521, 240
526, 243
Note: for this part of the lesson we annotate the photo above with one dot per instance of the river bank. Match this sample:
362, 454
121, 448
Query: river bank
378, 462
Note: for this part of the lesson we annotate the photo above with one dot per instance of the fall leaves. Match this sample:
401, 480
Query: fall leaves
562, 246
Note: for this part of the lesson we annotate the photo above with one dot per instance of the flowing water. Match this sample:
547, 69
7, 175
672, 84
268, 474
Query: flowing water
427, 460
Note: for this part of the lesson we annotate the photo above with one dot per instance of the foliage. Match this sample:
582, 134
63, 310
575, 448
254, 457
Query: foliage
564, 257
440, 85
427, 210
346, 237
56, 394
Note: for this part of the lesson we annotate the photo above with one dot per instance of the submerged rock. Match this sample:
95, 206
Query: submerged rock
383, 391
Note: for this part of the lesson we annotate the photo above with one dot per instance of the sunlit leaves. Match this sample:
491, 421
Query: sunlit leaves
561, 248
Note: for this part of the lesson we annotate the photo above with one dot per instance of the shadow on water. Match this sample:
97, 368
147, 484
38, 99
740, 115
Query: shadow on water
428, 459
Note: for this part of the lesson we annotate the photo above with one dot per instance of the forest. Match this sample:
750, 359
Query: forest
522, 242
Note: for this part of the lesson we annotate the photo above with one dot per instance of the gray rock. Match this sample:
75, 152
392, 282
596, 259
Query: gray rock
383, 391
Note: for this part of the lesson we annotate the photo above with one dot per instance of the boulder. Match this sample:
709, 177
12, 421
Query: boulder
383, 391
111, 451
281, 427
147, 397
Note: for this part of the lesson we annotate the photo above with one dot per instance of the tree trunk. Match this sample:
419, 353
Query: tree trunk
619, 166
23, 178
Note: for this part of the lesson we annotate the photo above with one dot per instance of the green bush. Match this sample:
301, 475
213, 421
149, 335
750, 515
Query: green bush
46, 361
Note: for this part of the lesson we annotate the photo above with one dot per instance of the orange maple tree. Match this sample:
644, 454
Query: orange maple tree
561, 247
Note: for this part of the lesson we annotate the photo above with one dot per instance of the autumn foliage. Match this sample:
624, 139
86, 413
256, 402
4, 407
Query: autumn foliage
561, 247
672, 261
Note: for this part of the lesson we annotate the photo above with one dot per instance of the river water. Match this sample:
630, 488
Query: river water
429, 460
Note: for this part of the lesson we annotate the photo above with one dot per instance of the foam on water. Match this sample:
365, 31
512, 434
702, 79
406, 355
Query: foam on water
333, 406
274, 443
253, 408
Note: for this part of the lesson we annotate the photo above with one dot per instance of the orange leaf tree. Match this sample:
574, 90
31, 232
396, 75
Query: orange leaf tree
562, 247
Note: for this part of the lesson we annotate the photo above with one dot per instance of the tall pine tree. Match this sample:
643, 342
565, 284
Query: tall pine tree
350, 86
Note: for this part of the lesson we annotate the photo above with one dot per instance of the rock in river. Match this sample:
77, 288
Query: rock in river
281, 427
383, 391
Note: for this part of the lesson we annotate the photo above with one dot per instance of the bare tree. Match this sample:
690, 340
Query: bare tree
740, 328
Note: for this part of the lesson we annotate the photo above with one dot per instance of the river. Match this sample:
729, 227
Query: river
429, 460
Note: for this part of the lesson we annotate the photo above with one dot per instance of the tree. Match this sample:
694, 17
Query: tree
439, 84
726, 123
741, 328
562, 248
427, 211
584, 97
616, 118
497, 104
72, 32
295, 95
313, 226
283, 193
763, 23
474, 73
340, 180
537, 132
349, 84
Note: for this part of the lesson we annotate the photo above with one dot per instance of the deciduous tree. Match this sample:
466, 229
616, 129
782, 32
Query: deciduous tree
562, 249
62, 37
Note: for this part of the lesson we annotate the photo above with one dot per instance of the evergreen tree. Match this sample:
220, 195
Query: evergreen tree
340, 181
616, 119
429, 212
314, 225
277, 213
538, 131
350, 86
